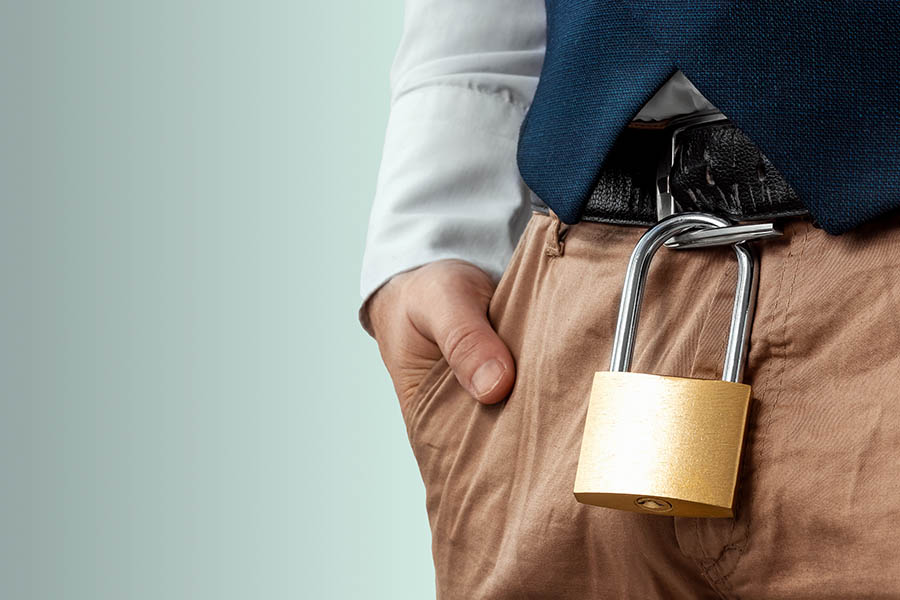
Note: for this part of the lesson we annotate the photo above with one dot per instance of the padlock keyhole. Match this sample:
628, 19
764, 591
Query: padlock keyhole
653, 504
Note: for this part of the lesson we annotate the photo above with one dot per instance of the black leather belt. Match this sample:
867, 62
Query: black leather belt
715, 169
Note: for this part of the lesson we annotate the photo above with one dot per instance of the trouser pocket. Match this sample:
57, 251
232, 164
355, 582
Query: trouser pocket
441, 418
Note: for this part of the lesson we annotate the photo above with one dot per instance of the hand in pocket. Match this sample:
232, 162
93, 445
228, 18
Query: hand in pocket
440, 309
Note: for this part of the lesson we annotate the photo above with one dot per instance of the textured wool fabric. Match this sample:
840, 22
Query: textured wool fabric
815, 84
818, 512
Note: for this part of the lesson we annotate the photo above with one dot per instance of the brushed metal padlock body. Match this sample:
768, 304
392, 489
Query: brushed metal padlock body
668, 445
665, 445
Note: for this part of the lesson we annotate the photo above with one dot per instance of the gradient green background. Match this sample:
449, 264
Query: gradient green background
189, 407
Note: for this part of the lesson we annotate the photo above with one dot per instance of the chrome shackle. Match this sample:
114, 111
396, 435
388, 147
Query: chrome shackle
636, 276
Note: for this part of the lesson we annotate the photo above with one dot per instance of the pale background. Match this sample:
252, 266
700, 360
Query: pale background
188, 407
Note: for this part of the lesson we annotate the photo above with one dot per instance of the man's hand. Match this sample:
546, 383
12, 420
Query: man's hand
441, 309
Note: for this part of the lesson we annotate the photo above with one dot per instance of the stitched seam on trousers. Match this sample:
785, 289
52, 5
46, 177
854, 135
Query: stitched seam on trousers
554, 240
780, 391
741, 545
735, 545
706, 558
706, 562
720, 580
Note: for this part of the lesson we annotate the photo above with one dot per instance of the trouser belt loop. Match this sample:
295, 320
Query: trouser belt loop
554, 243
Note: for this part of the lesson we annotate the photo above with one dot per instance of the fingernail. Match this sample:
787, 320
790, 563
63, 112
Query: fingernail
487, 376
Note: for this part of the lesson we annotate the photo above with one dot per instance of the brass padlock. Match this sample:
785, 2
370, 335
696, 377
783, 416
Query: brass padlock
667, 445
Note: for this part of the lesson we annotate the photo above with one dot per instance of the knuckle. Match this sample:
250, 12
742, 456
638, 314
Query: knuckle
461, 342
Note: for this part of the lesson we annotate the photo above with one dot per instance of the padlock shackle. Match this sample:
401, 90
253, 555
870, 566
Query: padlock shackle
741, 313
636, 277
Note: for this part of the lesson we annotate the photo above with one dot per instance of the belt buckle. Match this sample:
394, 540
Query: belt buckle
665, 201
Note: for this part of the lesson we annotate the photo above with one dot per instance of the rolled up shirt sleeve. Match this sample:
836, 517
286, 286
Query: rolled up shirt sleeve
449, 187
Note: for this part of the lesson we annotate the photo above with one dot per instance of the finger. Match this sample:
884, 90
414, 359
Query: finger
457, 321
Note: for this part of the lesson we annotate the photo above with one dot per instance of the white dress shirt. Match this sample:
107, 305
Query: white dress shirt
449, 187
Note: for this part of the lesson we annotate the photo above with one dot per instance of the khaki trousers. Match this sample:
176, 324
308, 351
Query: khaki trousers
819, 497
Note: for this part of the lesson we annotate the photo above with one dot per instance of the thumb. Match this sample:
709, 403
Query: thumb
457, 321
